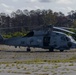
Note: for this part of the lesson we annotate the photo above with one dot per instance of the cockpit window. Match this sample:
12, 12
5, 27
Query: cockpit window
29, 34
74, 36
67, 38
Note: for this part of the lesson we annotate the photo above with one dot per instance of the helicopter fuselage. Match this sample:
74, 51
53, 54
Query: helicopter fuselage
42, 39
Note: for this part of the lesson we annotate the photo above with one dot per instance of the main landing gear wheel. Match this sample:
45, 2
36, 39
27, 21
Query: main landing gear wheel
28, 49
51, 50
61, 50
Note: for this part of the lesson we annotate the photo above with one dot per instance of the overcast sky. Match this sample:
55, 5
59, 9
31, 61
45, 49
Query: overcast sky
64, 6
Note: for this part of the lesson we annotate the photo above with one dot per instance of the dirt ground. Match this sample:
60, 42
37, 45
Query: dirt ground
16, 61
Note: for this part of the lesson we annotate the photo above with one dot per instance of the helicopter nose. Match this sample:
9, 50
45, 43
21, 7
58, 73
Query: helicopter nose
73, 45
69, 44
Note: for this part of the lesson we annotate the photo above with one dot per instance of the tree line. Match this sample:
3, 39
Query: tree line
22, 21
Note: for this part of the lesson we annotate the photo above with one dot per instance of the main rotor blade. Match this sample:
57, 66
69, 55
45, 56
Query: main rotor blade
63, 30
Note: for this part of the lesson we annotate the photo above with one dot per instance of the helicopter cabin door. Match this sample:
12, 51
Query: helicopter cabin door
46, 41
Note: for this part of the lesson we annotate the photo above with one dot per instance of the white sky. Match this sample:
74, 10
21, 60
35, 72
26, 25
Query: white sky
64, 6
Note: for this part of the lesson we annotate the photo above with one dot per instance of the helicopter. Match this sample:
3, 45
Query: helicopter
48, 37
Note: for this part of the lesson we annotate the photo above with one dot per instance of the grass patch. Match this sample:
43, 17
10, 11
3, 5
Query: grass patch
71, 64
43, 74
28, 73
40, 61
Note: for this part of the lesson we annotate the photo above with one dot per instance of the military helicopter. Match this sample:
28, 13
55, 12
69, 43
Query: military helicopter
48, 37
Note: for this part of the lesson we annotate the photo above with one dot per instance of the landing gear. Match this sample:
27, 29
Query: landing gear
28, 49
61, 50
51, 49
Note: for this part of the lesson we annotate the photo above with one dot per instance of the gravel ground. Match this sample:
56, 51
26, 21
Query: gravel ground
38, 69
16, 61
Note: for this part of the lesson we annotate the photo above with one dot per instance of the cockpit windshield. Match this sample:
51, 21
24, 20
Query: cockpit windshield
74, 36
68, 39
65, 38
